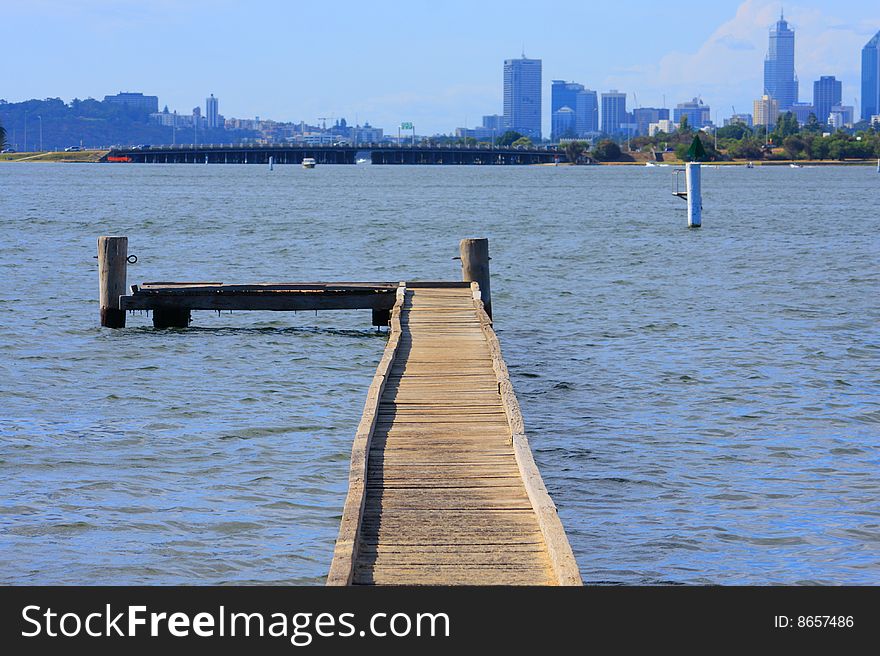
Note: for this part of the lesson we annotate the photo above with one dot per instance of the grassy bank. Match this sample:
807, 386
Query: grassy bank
59, 156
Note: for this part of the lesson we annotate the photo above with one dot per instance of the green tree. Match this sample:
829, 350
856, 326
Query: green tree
607, 151
794, 146
574, 150
2, 137
522, 141
736, 131
813, 124
785, 127
747, 149
508, 138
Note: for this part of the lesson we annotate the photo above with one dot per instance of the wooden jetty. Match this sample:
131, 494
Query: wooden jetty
443, 488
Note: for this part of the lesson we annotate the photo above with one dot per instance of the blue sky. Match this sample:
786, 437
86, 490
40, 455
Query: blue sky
437, 64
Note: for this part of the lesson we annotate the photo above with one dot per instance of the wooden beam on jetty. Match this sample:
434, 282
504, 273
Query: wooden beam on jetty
172, 302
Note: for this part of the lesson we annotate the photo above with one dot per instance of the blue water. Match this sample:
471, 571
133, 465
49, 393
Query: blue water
704, 405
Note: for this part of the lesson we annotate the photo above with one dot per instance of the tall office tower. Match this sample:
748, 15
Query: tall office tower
212, 107
766, 111
562, 94
494, 122
780, 81
562, 125
522, 96
586, 112
644, 116
871, 78
827, 92
613, 111
698, 114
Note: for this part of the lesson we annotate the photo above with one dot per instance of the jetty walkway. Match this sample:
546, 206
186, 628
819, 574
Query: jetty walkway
443, 488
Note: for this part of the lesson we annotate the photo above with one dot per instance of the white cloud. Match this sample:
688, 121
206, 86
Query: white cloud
728, 67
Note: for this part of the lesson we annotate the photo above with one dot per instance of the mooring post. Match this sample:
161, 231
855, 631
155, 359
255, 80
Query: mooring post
475, 267
112, 275
694, 194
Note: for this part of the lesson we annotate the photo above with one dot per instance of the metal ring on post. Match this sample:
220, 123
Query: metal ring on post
132, 259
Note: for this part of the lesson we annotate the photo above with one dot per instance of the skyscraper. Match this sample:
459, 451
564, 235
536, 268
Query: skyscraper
827, 92
644, 116
698, 114
613, 111
522, 96
871, 78
586, 112
563, 95
563, 124
780, 81
212, 106
766, 111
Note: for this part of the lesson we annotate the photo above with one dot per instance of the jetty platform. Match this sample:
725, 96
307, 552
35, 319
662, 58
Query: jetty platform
443, 488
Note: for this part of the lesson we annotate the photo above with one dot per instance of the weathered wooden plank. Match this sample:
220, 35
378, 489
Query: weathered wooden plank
268, 301
345, 551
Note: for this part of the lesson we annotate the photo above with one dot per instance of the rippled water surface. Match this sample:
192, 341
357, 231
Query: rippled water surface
704, 405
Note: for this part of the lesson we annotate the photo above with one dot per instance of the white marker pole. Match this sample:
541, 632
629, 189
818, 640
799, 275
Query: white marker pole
271, 163
694, 194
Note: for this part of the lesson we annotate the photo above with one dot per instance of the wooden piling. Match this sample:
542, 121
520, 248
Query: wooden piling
112, 274
475, 267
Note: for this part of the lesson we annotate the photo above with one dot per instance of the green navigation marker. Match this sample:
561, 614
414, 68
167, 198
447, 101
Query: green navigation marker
696, 153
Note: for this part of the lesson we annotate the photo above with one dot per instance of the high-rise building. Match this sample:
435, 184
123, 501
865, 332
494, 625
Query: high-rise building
212, 106
136, 101
613, 111
586, 113
563, 94
563, 124
644, 116
766, 111
494, 122
802, 111
780, 81
842, 116
871, 78
827, 92
698, 114
522, 96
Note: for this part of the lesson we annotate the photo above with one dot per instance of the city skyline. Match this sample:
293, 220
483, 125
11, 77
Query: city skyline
717, 58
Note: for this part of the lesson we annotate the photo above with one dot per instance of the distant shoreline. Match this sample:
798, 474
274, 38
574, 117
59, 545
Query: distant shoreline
89, 156
95, 156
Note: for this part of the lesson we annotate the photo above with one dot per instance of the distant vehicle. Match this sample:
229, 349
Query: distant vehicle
72, 149
8, 150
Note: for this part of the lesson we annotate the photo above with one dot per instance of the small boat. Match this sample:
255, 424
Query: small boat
363, 160
796, 166
650, 164
750, 165
309, 162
